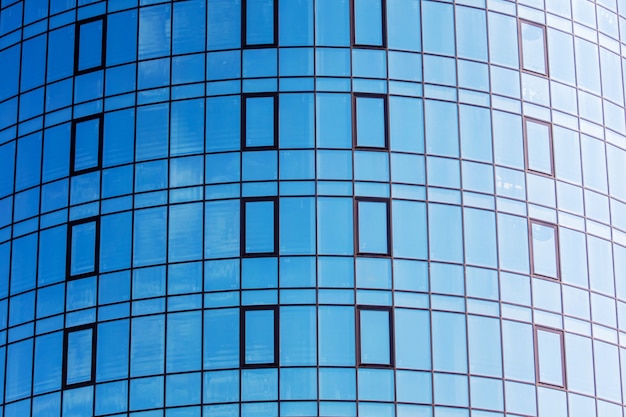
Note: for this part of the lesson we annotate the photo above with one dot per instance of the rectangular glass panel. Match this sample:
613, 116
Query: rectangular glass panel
368, 22
373, 227
260, 117
545, 260
86, 144
83, 250
259, 220
260, 22
539, 147
90, 45
79, 352
374, 337
259, 337
533, 48
550, 359
371, 125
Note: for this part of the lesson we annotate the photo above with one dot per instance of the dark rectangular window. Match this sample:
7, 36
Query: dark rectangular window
260, 121
544, 249
550, 357
79, 356
259, 336
260, 23
83, 243
538, 143
370, 119
86, 147
259, 228
534, 55
369, 23
372, 231
375, 336
89, 45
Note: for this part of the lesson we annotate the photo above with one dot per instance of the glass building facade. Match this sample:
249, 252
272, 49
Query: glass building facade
259, 208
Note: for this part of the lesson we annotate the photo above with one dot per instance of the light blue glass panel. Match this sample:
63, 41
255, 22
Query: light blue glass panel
112, 350
184, 341
296, 120
221, 338
148, 282
375, 337
149, 236
549, 352
445, 233
404, 33
222, 229
152, 132
259, 121
297, 226
448, 355
373, 227
475, 130
296, 22
442, 130
485, 352
189, 26
412, 340
438, 28
334, 226
185, 237
371, 129
19, 370
259, 22
115, 238
480, 237
332, 22
513, 243
259, 227
503, 48
518, 351
147, 349
83, 249
471, 33
187, 127
48, 363
533, 48
111, 398
79, 350
587, 65
90, 45
221, 386
600, 258
298, 337
409, 226
154, 31
333, 120
368, 22
594, 163
544, 250
223, 24
539, 151
561, 56
336, 336
607, 374
259, 337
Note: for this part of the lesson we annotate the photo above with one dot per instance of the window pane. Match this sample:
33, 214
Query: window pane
259, 337
368, 22
374, 337
539, 147
83, 249
90, 45
550, 360
371, 123
545, 260
373, 227
259, 227
259, 22
533, 48
79, 352
87, 144
260, 120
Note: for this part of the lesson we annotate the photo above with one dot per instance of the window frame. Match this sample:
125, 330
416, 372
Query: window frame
244, 98
355, 119
357, 327
77, 30
531, 249
383, 27
527, 119
242, 228
242, 336
521, 22
357, 241
561, 333
75, 122
94, 342
244, 28
68, 256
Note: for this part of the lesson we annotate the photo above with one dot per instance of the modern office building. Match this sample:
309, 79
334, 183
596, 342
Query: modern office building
263, 208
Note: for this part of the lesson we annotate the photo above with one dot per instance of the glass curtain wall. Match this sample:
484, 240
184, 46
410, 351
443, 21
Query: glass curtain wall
263, 208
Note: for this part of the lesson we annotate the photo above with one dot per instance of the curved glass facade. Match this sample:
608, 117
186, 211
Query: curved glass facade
257, 208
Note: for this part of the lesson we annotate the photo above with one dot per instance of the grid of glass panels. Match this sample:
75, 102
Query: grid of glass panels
315, 207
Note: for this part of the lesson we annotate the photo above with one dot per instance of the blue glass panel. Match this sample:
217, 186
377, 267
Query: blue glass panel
260, 22
371, 129
533, 48
544, 250
368, 22
259, 227
79, 350
374, 331
90, 45
83, 249
259, 121
259, 337
373, 227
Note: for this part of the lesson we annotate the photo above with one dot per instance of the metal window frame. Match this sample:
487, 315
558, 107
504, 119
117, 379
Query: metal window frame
244, 98
75, 122
357, 239
383, 27
242, 229
68, 256
244, 27
561, 333
355, 133
94, 340
242, 336
521, 22
358, 326
553, 226
77, 30
526, 120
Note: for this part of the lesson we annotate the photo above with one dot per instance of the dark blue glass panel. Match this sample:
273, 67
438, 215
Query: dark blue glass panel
90, 45
79, 349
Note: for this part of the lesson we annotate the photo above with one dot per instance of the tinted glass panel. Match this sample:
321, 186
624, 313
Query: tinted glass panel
538, 147
373, 227
544, 249
259, 337
259, 227
368, 22
533, 48
83, 248
260, 121
87, 144
371, 122
550, 357
79, 356
374, 337
260, 22
90, 45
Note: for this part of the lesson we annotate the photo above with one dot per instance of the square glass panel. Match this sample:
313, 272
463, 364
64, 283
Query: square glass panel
86, 144
373, 227
83, 242
260, 122
544, 242
374, 337
259, 337
79, 356
259, 225
533, 48
260, 22
371, 122
368, 22
90, 45
550, 357
538, 147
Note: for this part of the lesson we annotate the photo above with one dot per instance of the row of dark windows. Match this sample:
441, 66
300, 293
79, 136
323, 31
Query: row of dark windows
259, 345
